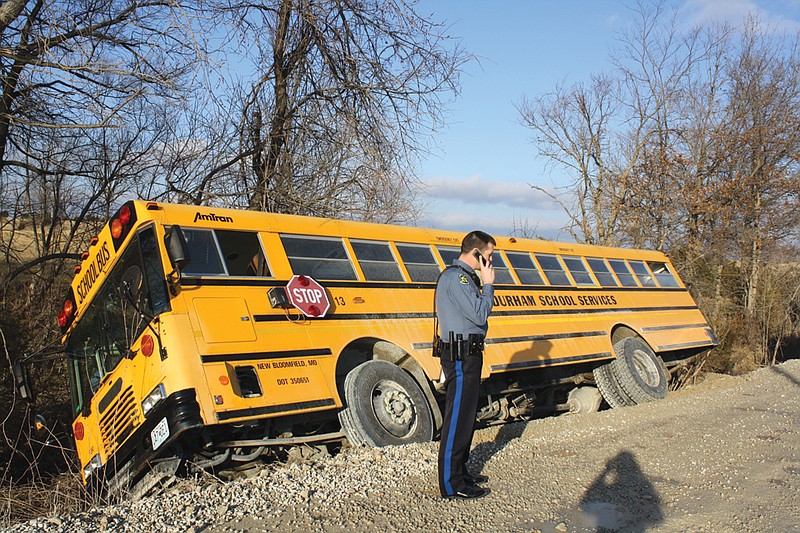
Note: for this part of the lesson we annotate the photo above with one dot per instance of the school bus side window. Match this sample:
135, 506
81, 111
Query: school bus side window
642, 273
553, 270
578, 270
419, 262
242, 252
448, 254
204, 253
623, 273
525, 268
601, 272
318, 257
501, 272
376, 260
662, 274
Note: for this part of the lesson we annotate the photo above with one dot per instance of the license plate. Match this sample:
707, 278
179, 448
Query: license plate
160, 433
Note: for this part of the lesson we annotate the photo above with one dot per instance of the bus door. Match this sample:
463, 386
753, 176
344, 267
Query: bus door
253, 357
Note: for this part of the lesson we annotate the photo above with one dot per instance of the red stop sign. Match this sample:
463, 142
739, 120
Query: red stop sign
308, 296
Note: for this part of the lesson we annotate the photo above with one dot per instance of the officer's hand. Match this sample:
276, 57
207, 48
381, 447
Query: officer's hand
487, 273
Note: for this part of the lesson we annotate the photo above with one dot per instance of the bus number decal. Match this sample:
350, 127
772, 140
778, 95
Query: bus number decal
294, 381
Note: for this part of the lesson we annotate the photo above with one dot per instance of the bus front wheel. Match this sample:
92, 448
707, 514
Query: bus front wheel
385, 406
638, 371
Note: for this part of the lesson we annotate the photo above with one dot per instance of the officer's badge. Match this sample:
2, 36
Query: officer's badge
463, 279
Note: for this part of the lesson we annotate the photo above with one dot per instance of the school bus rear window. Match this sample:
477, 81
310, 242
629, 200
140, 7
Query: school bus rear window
377, 261
419, 262
318, 257
526, 270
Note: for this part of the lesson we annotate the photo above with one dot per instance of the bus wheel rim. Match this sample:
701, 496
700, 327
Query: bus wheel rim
645, 367
393, 408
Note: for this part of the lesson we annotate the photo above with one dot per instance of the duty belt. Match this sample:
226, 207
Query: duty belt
457, 348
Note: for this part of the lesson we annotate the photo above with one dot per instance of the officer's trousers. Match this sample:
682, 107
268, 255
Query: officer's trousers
462, 380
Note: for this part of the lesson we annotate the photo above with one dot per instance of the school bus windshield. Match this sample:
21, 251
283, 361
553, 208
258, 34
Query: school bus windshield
133, 292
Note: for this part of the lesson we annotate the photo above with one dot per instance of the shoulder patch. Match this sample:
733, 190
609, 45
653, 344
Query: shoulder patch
463, 279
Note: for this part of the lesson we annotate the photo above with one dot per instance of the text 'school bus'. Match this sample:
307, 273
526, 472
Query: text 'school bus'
204, 336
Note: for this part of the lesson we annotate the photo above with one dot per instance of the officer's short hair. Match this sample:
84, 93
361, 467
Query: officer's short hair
476, 239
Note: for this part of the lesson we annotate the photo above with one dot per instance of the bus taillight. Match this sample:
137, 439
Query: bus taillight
78, 431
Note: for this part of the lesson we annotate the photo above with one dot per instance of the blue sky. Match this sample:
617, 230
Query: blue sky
479, 176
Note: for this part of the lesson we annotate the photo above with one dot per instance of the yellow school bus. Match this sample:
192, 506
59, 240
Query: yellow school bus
200, 337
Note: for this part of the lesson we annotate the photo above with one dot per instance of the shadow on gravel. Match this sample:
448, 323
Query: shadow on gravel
483, 452
784, 373
621, 498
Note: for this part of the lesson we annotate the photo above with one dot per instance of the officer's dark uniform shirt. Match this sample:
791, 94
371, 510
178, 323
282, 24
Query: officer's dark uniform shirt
460, 304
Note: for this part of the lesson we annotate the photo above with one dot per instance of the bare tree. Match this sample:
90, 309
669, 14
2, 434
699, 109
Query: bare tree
343, 91
694, 151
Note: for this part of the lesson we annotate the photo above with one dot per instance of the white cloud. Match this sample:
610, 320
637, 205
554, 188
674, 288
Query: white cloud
474, 190
736, 11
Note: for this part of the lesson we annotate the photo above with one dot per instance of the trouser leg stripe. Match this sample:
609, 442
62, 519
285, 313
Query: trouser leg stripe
451, 430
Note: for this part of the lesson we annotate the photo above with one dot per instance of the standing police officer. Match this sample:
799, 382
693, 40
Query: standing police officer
463, 311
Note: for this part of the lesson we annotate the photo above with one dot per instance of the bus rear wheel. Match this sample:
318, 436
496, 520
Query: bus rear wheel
638, 371
385, 406
609, 388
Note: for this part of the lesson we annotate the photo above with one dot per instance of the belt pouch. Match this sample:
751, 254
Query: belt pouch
452, 347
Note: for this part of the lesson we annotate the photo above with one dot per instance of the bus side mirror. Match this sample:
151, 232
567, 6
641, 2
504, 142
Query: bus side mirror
177, 249
22, 381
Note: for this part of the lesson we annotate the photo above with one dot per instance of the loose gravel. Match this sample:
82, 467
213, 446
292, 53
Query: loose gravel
720, 456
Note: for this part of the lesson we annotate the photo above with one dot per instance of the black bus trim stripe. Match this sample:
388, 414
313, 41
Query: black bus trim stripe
259, 356
226, 281
552, 362
272, 409
524, 338
520, 312
679, 326
696, 344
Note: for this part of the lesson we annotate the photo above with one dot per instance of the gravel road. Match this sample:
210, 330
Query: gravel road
720, 456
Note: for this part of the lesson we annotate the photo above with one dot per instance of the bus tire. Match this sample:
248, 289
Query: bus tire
385, 406
609, 388
639, 371
354, 436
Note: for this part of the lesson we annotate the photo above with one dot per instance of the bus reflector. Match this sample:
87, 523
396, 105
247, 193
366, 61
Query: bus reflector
224, 380
78, 431
148, 345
